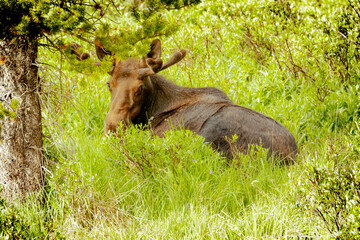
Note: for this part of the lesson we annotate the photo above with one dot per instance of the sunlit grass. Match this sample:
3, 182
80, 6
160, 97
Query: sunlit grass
145, 187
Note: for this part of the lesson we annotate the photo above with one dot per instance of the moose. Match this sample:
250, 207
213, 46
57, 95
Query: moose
140, 96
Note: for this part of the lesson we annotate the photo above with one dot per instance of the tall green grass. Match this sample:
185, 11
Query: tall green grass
139, 186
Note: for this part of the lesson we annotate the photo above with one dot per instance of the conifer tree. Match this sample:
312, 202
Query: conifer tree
25, 23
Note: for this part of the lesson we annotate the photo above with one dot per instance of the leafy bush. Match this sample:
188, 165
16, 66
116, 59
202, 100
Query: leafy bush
12, 225
29, 220
286, 59
332, 192
151, 156
335, 199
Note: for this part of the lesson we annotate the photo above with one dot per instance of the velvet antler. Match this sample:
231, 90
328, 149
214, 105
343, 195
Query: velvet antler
154, 61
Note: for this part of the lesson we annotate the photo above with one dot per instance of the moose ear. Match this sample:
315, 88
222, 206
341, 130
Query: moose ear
144, 72
155, 51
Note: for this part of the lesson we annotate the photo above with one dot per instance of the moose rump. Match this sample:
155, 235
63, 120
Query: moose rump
250, 127
140, 95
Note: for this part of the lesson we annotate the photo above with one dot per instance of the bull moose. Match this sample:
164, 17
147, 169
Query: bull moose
140, 96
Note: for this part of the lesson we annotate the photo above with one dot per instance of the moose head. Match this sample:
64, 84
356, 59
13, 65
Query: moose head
129, 83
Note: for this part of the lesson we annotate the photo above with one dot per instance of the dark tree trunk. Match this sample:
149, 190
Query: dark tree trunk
21, 156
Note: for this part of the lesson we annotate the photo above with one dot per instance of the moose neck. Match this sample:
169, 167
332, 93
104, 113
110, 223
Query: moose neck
166, 95
163, 96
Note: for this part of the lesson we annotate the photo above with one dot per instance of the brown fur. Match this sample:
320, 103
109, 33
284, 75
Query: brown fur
139, 95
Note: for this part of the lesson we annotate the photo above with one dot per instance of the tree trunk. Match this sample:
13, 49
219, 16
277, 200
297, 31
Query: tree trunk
21, 157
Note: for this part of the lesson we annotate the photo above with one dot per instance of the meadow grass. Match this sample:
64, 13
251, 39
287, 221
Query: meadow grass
140, 186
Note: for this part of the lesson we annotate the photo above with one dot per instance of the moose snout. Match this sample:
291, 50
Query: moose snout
110, 128
112, 122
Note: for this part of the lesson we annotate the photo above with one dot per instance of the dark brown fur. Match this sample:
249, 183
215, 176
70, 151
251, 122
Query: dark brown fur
139, 95
211, 114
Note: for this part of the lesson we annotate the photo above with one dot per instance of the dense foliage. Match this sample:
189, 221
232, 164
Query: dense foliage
109, 22
296, 61
10, 223
33, 18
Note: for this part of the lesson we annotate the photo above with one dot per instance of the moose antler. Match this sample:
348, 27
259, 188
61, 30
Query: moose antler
154, 61
153, 58
177, 57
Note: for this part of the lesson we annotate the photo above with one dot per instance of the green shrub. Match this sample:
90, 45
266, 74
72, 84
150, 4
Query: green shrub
331, 191
335, 199
151, 156
286, 59
12, 225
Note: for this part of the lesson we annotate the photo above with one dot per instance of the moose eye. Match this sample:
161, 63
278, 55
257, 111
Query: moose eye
108, 84
139, 90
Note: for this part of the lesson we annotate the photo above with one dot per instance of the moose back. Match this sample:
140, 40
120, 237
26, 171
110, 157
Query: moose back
140, 95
